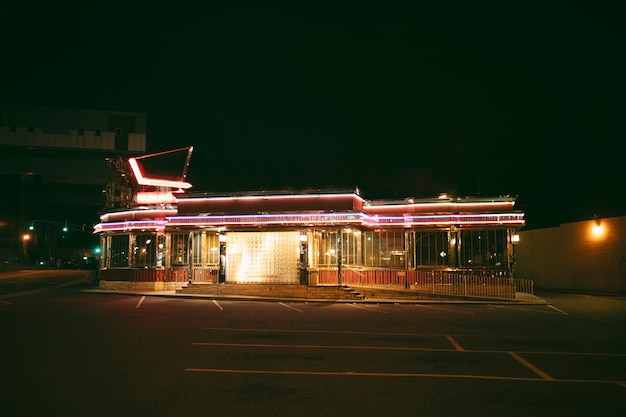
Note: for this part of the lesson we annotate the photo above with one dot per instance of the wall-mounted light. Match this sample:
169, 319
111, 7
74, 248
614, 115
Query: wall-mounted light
222, 238
303, 238
515, 238
598, 228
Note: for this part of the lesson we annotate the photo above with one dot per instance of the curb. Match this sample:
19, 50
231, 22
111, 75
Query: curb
173, 294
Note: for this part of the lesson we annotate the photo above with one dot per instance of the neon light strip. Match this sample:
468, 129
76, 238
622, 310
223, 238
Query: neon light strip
440, 204
434, 206
131, 225
275, 197
122, 215
266, 219
460, 219
317, 219
141, 180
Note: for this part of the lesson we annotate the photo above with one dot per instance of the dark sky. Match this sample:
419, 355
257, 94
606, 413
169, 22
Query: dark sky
399, 100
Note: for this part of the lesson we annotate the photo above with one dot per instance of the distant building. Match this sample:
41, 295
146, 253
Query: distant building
53, 165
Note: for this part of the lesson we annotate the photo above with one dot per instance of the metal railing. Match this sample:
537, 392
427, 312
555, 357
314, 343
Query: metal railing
494, 284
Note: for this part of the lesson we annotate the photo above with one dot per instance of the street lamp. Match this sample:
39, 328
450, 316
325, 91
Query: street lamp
25, 239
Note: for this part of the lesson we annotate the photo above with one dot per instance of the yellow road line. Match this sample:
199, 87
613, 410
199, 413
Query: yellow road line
397, 374
454, 343
530, 366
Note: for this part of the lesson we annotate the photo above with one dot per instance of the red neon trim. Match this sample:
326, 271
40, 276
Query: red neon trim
154, 182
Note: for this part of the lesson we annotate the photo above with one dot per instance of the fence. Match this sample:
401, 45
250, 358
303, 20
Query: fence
478, 283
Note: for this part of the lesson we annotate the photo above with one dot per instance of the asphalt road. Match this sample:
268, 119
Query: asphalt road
67, 352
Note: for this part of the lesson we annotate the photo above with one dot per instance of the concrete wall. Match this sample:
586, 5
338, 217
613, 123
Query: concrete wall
572, 257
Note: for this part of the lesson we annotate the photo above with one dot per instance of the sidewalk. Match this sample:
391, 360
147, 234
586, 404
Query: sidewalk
367, 300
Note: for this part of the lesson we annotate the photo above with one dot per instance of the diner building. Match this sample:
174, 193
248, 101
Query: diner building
169, 236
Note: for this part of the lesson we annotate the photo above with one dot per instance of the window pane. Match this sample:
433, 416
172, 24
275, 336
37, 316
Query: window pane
432, 248
143, 251
206, 249
178, 249
119, 251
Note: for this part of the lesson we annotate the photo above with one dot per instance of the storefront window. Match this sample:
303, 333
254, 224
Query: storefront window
143, 251
384, 249
324, 249
431, 248
351, 247
118, 251
178, 249
484, 248
206, 249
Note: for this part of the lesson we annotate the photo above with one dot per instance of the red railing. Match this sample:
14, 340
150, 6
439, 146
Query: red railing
477, 283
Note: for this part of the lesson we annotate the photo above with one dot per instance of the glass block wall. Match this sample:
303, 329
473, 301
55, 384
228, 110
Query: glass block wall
263, 257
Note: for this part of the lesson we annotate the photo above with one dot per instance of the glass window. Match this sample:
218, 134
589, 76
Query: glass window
178, 249
351, 247
143, 251
206, 249
323, 248
384, 249
431, 248
484, 248
118, 251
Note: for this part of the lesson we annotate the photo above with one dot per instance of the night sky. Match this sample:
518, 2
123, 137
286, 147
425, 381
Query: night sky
399, 100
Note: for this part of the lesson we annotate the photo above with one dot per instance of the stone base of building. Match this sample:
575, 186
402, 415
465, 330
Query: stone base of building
275, 290
138, 286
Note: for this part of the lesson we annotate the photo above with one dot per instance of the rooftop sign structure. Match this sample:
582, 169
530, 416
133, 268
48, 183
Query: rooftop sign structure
179, 184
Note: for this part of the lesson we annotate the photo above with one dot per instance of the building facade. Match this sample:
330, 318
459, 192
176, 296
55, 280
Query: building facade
170, 236
586, 256
58, 166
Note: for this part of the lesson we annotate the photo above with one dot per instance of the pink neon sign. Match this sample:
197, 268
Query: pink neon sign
154, 182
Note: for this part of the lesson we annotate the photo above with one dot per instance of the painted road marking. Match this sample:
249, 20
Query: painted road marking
4, 303
140, 302
268, 345
444, 309
521, 308
368, 309
558, 309
394, 374
530, 366
454, 343
458, 348
218, 305
293, 308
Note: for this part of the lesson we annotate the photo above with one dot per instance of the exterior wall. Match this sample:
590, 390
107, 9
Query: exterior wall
571, 257
52, 161
72, 128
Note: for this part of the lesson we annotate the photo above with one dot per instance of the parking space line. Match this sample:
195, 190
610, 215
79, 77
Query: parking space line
293, 308
522, 308
396, 374
454, 343
558, 309
269, 345
368, 309
218, 305
530, 366
469, 313
140, 301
